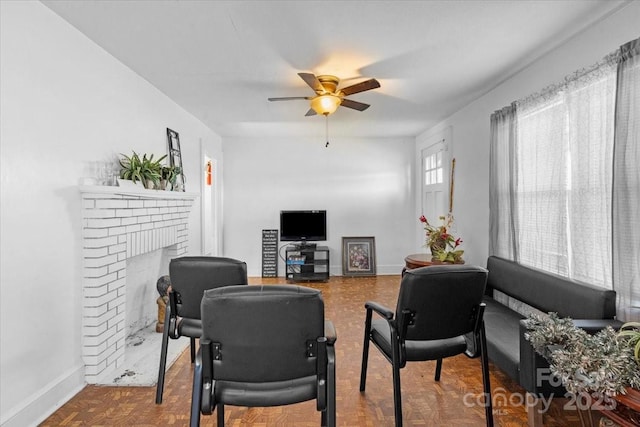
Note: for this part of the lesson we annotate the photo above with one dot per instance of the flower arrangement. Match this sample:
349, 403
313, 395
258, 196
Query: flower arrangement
442, 244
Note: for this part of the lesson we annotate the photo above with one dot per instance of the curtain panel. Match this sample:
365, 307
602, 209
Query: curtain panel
626, 184
502, 200
565, 178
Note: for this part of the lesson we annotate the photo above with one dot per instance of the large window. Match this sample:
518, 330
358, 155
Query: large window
554, 180
564, 163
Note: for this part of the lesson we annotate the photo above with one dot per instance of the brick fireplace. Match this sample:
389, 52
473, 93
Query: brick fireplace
118, 224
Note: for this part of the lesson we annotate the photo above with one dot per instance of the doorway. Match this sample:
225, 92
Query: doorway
434, 170
210, 183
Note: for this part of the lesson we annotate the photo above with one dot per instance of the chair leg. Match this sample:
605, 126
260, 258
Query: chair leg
193, 349
330, 410
438, 369
395, 363
220, 409
196, 396
397, 395
488, 404
365, 350
163, 357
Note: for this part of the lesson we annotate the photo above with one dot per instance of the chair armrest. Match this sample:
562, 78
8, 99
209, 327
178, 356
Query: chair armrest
197, 391
171, 316
204, 369
331, 386
380, 309
330, 332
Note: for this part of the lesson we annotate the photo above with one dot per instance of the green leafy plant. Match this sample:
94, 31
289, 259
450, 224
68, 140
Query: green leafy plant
131, 167
170, 173
443, 244
145, 169
601, 363
630, 332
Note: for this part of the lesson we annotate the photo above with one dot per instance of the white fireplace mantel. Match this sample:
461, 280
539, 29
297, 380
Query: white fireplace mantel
136, 191
119, 223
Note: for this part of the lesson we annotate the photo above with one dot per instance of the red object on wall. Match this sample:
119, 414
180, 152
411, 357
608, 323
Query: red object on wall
209, 171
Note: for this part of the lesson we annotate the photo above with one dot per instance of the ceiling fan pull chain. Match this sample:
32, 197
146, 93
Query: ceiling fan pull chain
326, 129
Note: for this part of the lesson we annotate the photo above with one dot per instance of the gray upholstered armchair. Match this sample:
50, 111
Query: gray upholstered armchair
190, 277
264, 346
437, 306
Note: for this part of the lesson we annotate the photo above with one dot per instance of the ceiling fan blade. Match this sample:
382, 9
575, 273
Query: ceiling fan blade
360, 87
311, 112
288, 98
354, 104
312, 81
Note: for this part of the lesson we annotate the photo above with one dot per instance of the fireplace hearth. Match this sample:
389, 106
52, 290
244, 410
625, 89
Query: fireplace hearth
118, 225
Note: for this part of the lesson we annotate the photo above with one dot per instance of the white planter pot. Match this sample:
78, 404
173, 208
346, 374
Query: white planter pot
127, 183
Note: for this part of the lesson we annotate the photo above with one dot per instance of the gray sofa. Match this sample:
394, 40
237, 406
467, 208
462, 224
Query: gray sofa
591, 308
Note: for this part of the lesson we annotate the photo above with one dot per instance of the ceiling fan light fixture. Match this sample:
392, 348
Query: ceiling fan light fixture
325, 104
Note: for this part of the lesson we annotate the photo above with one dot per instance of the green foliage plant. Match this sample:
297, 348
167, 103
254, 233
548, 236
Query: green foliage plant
145, 169
602, 364
170, 173
630, 332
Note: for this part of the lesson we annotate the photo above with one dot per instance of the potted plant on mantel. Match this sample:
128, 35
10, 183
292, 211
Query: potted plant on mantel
602, 369
168, 177
144, 169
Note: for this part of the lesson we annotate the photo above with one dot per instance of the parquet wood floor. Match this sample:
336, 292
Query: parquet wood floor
450, 402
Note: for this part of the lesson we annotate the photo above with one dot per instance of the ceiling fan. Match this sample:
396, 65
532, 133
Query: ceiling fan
328, 97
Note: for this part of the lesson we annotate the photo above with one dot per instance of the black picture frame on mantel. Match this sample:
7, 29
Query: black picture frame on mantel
175, 157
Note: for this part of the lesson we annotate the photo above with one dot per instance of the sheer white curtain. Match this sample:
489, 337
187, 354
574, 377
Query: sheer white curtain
626, 184
565, 178
502, 198
551, 177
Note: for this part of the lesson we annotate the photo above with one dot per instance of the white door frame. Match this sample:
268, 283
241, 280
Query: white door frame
441, 139
209, 204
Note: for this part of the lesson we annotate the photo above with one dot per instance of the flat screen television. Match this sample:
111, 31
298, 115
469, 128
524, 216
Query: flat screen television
303, 226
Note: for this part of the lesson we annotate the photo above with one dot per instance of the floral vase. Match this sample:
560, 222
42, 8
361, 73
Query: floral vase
437, 246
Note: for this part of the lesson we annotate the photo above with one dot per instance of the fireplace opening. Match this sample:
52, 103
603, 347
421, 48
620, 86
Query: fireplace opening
143, 272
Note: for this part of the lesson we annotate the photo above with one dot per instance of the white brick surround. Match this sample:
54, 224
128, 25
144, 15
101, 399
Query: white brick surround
118, 224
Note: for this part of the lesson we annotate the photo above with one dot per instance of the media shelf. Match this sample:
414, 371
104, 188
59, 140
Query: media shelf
307, 263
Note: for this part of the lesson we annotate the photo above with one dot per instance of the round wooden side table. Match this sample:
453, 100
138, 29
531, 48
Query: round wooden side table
420, 260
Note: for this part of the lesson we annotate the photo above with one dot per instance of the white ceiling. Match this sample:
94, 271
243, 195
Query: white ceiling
221, 60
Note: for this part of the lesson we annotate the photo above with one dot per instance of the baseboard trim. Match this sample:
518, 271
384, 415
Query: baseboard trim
381, 270
35, 409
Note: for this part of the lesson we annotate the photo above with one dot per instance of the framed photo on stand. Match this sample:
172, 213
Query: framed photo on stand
358, 256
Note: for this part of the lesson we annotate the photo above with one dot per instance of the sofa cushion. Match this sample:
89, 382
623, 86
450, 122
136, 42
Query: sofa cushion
550, 293
502, 327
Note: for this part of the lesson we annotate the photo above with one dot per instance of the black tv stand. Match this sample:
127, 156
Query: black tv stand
307, 263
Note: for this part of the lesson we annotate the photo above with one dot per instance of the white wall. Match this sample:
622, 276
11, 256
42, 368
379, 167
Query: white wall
65, 102
471, 124
364, 184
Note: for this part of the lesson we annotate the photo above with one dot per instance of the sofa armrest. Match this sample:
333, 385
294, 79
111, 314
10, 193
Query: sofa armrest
591, 326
